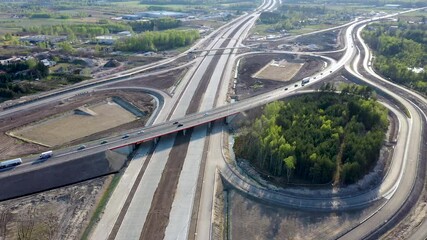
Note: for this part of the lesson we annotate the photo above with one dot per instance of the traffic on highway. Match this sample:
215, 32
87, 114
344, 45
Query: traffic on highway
186, 132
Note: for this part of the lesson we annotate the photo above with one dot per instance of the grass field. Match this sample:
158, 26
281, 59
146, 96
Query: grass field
136, 5
68, 127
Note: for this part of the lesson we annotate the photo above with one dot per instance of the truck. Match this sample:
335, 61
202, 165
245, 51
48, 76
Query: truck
10, 163
305, 81
46, 155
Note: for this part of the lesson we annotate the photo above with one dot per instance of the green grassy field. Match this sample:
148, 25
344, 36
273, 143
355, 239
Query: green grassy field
137, 6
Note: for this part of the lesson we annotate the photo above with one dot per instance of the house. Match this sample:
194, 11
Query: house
124, 34
161, 14
106, 39
48, 63
393, 29
42, 38
10, 60
132, 17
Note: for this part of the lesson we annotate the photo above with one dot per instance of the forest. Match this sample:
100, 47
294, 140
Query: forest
398, 49
157, 41
317, 138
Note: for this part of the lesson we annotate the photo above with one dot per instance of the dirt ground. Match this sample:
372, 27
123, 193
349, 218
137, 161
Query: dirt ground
11, 147
279, 70
326, 41
162, 81
252, 220
248, 86
76, 124
56, 214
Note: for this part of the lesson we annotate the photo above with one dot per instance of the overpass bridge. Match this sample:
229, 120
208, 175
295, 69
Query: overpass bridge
217, 49
152, 133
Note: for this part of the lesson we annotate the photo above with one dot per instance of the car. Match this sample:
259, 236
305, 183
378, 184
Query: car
104, 142
330, 71
175, 123
321, 73
205, 114
142, 131
286, 89
314, 78
81, 147
180, 125
296, 85
125, 136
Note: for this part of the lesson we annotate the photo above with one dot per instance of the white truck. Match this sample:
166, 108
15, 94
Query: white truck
10, 163
46, 155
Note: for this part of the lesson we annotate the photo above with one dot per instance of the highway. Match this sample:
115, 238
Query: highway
134, 219
175, 118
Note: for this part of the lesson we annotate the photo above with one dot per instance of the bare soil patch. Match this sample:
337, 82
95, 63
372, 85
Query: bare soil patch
56, 214
326, 41
161, 205
279, 70
11, 147
162, 81
252, 220
84, 121
248, 86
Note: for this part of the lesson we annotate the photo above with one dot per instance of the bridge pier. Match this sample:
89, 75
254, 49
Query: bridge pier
126, 149
184, 132
228, 119
155, 140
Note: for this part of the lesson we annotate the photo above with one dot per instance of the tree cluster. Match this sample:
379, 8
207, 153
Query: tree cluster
157, 41
399, 49
80, 30
317, 137
28, 70
293, 16
155, 24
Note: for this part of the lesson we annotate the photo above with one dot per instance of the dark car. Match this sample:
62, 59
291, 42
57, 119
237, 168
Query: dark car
175, 123
81, 147
180, 125
125, 136
296, 85
286, 89
104, 142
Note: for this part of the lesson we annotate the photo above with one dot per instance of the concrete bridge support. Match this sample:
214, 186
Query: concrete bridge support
126, 150
228, 119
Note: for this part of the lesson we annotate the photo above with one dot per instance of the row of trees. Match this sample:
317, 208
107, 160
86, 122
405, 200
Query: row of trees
90, 30
80, 30
155, 24
317, 137
157, 41
400, 50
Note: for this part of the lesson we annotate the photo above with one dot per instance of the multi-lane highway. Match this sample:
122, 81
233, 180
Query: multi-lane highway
200, 99
137, 215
